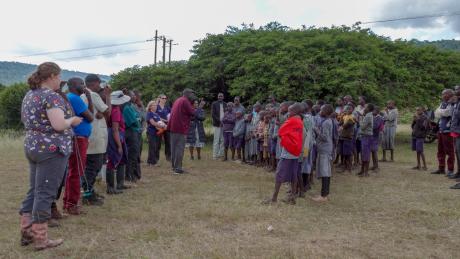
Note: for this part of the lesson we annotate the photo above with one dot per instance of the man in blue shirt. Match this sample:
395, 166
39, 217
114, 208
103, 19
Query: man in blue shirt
77, 160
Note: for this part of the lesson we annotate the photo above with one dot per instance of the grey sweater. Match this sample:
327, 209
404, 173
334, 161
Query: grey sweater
240, 128
367, 124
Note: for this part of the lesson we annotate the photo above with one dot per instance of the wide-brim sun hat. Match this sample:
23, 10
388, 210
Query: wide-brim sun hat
119, 98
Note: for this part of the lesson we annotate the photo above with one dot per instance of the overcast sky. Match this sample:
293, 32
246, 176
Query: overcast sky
30, 27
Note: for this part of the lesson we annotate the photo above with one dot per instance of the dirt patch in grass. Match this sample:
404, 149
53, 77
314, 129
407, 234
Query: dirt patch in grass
215, 212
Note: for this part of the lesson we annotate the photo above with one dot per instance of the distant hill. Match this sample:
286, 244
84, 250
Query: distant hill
442, 44
16, 72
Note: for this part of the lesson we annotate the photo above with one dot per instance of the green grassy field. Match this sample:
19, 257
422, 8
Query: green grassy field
216, 212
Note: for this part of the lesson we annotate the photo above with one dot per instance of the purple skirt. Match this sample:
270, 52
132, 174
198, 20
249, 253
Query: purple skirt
417, 144
366, 142
238, 142
273, 146
375, 144
228, 139
347, 147
286, 171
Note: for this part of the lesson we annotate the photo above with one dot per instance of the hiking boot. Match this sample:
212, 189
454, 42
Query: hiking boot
40, 237
26, 229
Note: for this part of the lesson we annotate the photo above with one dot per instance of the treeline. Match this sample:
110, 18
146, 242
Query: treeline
442, 44
296, 64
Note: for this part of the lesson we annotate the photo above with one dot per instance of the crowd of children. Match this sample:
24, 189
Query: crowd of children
302, 139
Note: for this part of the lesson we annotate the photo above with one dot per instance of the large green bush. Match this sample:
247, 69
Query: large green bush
10, 105
296, 64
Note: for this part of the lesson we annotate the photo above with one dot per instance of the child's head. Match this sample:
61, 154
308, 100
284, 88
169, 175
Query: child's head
295, 109
239, 115
268, 116
348, 109
326, 110
229, 106
316, 108
339, 101
369, 108
195, 104
284, 108
307, 107
419, 110
268, 106
376, 110
249, 116
391, 104
257, 107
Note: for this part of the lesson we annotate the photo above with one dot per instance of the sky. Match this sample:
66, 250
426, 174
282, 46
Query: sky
31, 27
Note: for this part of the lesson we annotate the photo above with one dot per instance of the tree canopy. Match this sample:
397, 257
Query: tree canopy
296, 64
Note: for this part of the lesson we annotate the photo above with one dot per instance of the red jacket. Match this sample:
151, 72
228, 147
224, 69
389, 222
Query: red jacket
181, 113
291, 135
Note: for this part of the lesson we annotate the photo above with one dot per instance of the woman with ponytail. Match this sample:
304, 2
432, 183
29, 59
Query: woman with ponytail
48, 121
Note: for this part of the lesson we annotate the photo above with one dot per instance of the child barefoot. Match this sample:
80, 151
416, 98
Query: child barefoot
419, 130
324, 147
290, 134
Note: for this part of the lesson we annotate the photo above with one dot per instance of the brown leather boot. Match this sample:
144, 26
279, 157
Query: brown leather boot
26, 229
40, 237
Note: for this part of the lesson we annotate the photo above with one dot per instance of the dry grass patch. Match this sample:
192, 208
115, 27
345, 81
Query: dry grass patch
215, 212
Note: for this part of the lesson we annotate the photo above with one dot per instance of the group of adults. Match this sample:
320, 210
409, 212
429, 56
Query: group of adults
448, 114
69, 137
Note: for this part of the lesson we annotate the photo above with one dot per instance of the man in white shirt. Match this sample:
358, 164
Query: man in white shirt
97, 146
217, 113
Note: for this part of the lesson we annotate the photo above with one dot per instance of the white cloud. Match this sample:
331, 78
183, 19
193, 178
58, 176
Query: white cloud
46, 25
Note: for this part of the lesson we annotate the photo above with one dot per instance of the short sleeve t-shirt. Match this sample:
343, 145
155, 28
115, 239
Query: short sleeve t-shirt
117, 116
152, 129
40, 135
79, 107
99, 136
163, 112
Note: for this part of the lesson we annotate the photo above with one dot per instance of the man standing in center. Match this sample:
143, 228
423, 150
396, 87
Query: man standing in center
217, 112
179, 123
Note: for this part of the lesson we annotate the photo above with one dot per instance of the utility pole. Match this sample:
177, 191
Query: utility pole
156, 39
164, 49
170, 46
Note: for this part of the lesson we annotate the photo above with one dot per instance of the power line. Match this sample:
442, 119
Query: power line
102, 54
88, 48
415, 17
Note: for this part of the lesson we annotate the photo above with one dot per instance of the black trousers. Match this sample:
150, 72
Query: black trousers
154, 149
133, 168
94, 164
325, 183
167, 140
